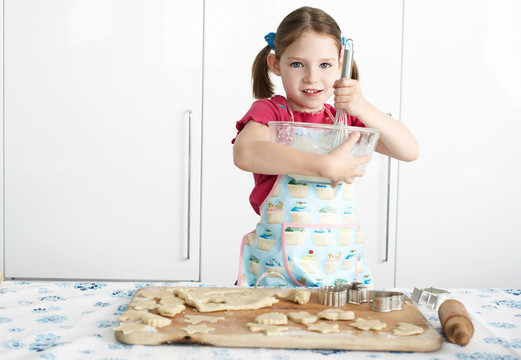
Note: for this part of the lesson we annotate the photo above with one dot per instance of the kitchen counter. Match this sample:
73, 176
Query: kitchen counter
75, 320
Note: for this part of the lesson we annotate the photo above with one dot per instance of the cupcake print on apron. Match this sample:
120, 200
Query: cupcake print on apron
308, 233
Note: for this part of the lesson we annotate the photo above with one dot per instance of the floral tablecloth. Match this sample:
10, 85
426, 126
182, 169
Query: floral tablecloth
75, 320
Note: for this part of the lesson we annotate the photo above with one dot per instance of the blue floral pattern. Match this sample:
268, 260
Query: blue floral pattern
69, 320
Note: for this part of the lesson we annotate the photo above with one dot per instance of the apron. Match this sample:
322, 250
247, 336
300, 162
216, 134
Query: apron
308, 234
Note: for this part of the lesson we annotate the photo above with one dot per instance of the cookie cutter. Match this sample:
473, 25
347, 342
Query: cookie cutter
271, 274
430, 298
385, 301
332, 295
357, 293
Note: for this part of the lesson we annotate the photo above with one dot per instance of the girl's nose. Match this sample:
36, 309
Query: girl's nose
311, 75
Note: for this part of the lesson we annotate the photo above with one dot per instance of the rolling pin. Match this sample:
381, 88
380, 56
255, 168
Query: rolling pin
455, 322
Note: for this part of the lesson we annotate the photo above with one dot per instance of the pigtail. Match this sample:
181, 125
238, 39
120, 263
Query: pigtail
260, 73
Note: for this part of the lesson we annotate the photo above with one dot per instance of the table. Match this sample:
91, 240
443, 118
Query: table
75, 320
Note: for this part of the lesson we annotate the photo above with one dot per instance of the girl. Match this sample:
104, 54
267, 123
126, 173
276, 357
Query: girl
291, 240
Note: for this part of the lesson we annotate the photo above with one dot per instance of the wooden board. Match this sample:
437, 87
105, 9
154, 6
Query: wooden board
233, 332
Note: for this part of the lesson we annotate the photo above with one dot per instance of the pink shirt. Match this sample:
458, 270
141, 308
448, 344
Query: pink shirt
275, 109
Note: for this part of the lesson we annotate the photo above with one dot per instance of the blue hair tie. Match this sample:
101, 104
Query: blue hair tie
270, 38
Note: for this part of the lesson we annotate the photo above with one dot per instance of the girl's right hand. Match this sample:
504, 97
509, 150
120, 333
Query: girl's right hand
342, 166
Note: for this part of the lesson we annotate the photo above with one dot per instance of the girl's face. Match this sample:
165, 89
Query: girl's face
308, 68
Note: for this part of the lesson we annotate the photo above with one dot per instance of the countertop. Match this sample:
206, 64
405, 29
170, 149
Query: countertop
74, 320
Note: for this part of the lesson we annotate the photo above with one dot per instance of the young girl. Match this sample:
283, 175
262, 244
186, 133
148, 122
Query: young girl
307, 232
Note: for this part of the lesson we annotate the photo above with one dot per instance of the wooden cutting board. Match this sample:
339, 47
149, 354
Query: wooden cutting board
233, 332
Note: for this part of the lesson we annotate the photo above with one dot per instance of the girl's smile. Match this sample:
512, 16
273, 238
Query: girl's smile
308, 68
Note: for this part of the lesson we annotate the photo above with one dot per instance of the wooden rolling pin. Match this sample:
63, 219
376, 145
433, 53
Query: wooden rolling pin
455, 322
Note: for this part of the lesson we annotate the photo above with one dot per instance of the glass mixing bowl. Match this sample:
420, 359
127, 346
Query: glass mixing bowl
321, 139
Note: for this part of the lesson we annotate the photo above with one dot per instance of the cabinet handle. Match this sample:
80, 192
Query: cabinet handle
189, 186
388, 215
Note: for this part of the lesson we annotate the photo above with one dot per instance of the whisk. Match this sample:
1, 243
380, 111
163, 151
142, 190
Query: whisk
347, 68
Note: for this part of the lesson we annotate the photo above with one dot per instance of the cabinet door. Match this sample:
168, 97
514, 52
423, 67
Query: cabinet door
460, 202
235, 32
102, 139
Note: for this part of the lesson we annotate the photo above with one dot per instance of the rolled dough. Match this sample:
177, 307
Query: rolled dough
323, 328
273, 318
336, 314
302, 317
406, 329
364, 324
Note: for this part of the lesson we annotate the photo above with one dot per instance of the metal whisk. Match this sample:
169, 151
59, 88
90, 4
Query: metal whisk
347, 68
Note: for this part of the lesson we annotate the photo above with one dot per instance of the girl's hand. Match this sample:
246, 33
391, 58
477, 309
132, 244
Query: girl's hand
348, 96
342, 166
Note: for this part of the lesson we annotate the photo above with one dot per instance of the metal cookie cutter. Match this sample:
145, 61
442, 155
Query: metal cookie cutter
357, 293
332, 295
431, 298
385, 301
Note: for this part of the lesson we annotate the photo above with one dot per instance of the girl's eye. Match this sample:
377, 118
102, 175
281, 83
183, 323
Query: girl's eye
325, 65
296, 64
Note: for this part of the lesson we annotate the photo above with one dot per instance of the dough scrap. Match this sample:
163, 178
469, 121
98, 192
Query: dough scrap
364, 324
131, 315
269, 330
302, 317
156, 294
299, 296
171, 300
128, 328
406, 329
336, 314
196, 319
202, 329
171, 309
145, 318
211, 299
143, 304
272, 318
323, 328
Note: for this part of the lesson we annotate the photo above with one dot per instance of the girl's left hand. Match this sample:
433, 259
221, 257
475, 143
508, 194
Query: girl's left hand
348, 96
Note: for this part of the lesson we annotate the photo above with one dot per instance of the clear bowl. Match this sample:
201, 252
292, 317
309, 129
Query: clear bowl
321, 139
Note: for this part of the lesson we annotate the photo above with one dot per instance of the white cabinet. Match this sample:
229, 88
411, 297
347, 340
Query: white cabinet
234, 34
102, 138
460, 202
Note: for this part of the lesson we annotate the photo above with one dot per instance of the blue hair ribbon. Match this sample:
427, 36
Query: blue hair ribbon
270, 39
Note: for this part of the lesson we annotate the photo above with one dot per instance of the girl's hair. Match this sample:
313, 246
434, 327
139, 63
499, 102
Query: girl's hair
290, 29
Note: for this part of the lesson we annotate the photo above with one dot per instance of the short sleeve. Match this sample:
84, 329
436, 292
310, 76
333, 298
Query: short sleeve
263, 111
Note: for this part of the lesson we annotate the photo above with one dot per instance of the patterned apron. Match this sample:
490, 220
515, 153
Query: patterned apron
308, 234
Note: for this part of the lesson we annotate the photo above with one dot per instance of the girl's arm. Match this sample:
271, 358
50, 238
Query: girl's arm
254, 152
395, 138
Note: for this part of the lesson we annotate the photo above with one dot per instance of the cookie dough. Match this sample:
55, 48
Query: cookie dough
273, 318
302, 317
269, 330
336, 314
299, 296
213, 299
171, 300
406, 329
171, 309
143, 304
193, 329
156, 294
323, 328
128, 328
364, 324
196, 319
145, 318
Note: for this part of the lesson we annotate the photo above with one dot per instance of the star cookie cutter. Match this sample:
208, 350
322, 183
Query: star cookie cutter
430, 298
385, 301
